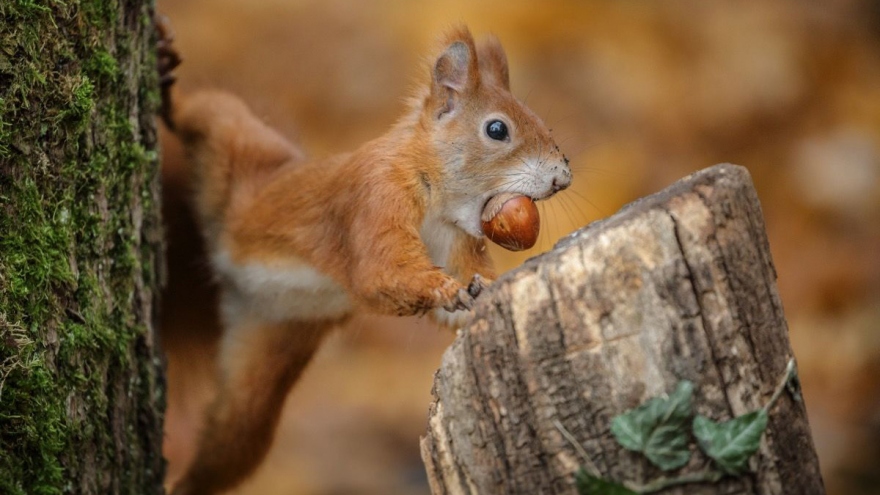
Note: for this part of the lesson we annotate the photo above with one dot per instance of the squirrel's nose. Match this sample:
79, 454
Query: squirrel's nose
560, 182
561, 177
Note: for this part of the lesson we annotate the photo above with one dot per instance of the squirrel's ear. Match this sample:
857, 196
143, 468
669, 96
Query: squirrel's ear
493, 62
456, 72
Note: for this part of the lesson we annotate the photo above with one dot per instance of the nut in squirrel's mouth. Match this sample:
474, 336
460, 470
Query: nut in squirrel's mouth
511, 220
494, 204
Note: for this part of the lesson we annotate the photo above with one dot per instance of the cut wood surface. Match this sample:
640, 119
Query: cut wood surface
676, 286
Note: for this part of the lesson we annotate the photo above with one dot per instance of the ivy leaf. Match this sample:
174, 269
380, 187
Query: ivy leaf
658, 428
588, 484
731, 443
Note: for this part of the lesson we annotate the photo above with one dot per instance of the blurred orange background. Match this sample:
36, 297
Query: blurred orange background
638, 94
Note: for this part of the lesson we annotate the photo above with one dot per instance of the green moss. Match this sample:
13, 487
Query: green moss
72, 167
103, 64
5, 132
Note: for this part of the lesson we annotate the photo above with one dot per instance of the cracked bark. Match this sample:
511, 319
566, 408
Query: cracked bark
678, 285
81, 249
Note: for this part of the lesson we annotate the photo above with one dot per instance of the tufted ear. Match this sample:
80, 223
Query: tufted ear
493, 62
456, 73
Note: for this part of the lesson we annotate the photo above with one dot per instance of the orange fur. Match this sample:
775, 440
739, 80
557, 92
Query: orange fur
259, 365
393, 227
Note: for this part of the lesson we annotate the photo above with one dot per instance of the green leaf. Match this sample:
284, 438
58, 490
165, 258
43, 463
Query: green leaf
658, 428
588, 484
731, 443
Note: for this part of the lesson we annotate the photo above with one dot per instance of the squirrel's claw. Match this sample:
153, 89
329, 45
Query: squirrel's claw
466, 297
477, 285
167, 59
462, 301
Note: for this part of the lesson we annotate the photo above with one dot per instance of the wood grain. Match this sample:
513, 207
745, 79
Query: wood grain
678, 285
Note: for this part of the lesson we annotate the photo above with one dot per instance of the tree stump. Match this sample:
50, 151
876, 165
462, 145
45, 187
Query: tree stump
679, 285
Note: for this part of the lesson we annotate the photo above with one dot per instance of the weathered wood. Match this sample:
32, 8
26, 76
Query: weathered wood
679, 285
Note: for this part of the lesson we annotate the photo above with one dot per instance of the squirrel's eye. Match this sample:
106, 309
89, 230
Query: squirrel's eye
496, 130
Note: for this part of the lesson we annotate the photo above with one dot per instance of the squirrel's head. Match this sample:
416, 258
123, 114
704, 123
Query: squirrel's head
486, 140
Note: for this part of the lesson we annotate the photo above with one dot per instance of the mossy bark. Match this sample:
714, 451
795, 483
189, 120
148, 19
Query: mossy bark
81, 387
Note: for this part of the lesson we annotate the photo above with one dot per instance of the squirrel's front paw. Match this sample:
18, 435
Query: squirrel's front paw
460, 315
454, 297
464, 298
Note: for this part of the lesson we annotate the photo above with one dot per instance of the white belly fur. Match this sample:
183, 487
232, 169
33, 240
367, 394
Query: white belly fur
288, 291
438, 236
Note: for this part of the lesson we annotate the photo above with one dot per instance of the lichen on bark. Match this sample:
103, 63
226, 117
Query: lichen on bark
81, 393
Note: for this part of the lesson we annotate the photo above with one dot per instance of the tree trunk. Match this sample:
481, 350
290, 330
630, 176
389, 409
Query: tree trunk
81, 387
676, 286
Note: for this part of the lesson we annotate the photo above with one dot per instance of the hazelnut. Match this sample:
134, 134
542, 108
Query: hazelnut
511, 221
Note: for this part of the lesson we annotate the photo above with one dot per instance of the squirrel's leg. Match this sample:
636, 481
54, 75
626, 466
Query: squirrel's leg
258, 364
216, 120
228, 146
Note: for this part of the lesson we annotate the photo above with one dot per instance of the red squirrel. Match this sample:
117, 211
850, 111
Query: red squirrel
297, 245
